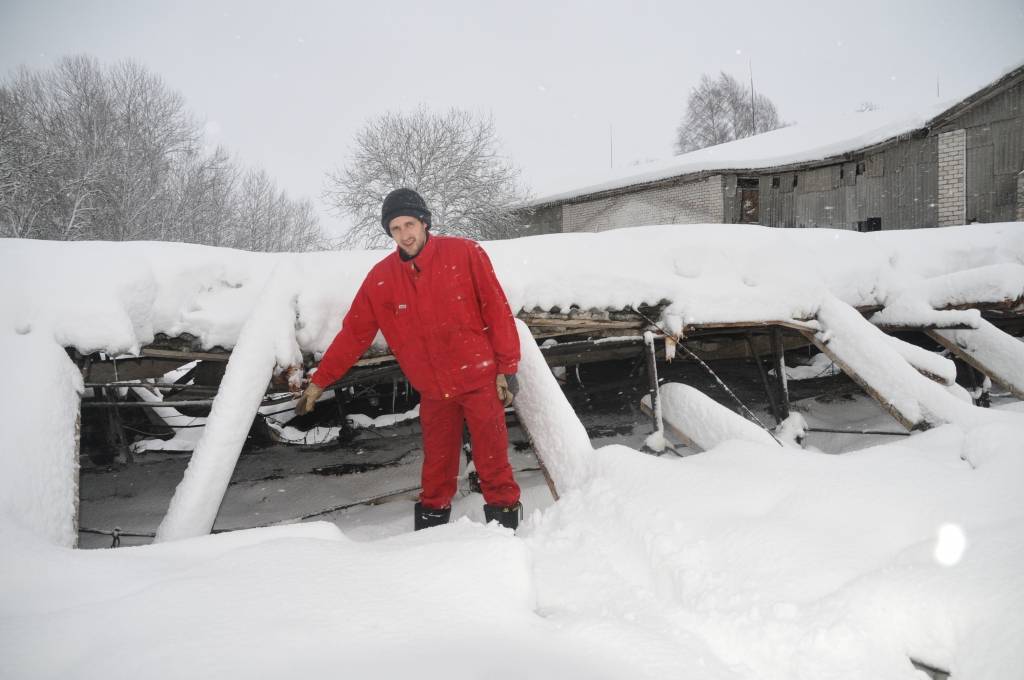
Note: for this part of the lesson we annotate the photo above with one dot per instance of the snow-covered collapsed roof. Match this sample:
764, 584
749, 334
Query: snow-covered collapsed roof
799, 143
709, 273
752, 560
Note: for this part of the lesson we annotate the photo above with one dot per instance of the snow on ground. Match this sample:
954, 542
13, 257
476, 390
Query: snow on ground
747, 561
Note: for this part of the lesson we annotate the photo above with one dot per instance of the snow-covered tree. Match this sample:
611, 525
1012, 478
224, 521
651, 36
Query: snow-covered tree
720, 110
112, 153
452, 159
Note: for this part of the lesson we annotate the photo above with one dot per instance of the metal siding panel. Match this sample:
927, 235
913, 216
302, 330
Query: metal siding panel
1008, 143
787, 209
1008, 104
730, 186
979, 184
875, 165
980, 135
836, 205
850, 174
851, 210
928, 181
768, 208
1004, 198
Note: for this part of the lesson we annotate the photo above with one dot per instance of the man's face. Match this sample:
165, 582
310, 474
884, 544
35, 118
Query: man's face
409, 233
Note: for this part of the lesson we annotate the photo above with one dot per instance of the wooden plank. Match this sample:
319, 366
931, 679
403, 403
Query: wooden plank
981, 358
185, 355
794, 324
134, 368
900, 417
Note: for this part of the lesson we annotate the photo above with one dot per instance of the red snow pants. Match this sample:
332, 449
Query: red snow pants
441, 420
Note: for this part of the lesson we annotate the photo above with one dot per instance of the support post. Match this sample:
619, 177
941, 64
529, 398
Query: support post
115, 427
652, 375
764, 379
779, 357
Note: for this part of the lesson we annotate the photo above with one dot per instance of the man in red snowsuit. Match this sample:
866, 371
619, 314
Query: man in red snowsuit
447, 322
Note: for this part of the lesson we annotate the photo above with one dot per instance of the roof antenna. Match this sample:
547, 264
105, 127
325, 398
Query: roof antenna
753, 122
611, 148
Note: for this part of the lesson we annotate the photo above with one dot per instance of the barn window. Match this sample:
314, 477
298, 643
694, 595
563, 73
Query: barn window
747, 183
796, 179
775, 182
842, 172
870, 224
860, 167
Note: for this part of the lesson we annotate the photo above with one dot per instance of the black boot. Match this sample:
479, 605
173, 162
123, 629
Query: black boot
506, 517
424, 518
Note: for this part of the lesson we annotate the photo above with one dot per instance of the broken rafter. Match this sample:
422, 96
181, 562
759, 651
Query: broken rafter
895, 412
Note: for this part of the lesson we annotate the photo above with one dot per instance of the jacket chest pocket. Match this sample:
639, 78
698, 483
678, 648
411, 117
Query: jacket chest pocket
397, 324
460, 302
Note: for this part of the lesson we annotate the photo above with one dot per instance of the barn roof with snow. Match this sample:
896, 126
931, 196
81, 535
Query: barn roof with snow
867, 171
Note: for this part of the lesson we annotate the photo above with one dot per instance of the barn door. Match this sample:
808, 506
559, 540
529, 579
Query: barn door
750, 200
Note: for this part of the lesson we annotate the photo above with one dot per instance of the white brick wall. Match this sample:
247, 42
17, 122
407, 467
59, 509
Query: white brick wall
952, 177
691, 203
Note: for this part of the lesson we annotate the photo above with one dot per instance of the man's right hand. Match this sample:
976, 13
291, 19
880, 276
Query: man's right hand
308, 399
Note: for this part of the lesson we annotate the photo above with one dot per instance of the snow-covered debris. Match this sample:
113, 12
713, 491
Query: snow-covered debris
702, 422
750, 560
709, 273
557, 435
928, 363
323, 435
995, 353
793, 430
819, 366
188, 430
923, 301
914, 399
764, 561
265, 342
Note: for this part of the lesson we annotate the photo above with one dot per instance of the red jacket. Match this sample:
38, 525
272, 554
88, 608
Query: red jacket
443, 314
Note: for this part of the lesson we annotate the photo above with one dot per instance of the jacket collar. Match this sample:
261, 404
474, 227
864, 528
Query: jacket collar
422, 258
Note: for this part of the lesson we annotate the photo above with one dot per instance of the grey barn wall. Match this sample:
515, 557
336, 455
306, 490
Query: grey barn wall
995, 154
897, 185
680, 203
542, 220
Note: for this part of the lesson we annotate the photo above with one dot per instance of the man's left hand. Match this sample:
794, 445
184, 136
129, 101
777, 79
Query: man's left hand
504, 391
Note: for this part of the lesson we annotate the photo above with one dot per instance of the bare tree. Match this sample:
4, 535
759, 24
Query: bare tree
267, 220
721, 110
451, 159
866, 106
88, 152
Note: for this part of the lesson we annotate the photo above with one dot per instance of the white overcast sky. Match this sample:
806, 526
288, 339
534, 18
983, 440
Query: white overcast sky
286, 85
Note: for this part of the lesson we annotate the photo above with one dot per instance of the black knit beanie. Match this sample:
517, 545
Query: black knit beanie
403, 202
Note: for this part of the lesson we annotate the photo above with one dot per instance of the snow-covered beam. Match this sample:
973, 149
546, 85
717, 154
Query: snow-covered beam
998, 355
266, 340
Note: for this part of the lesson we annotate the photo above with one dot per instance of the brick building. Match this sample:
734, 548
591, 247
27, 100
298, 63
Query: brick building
952, 165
